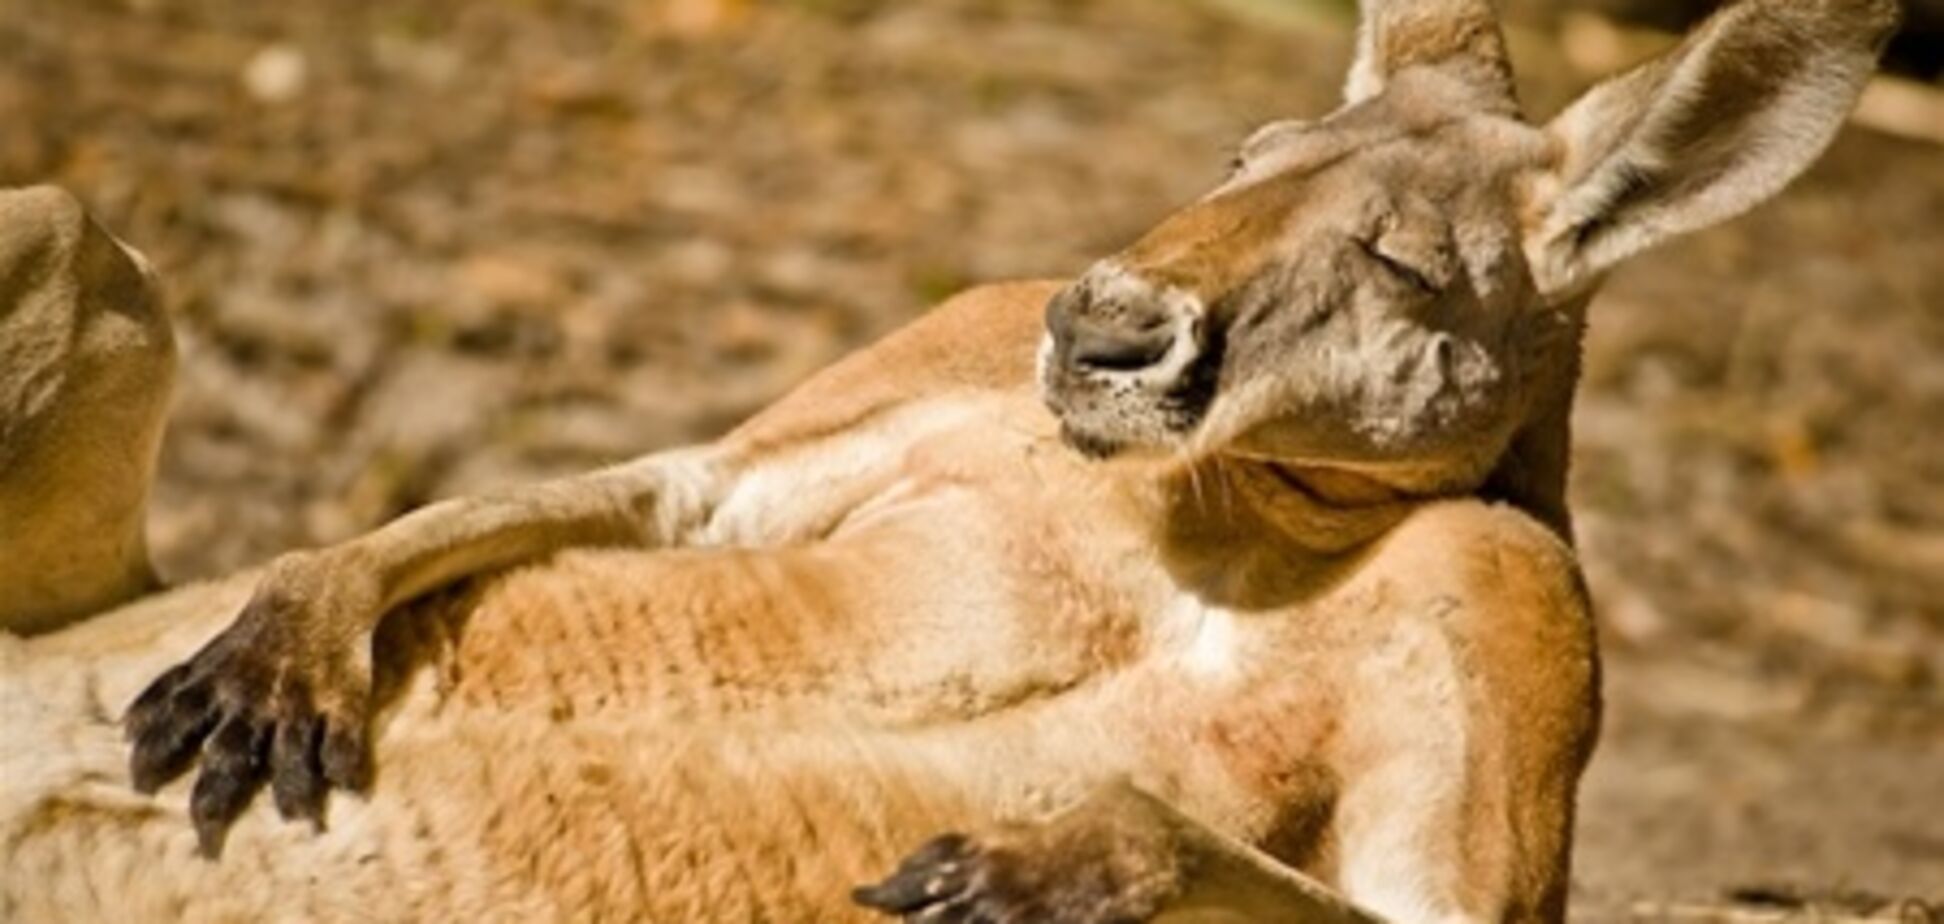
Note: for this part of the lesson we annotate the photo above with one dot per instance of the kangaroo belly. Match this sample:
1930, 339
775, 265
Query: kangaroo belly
520, 809
562, 744
646, 735
521, 813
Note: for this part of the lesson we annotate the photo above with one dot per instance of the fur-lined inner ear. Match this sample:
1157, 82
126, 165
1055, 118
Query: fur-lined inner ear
1703, 133
1460, 37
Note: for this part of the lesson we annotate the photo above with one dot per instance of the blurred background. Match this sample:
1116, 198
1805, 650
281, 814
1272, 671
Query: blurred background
422, 247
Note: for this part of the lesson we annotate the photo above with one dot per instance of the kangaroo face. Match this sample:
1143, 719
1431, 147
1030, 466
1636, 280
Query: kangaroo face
1388, 290
1355, 294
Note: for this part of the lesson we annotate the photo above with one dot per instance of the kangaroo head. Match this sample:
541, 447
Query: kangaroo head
1394, 290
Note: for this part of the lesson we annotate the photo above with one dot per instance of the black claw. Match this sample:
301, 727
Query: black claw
234, 761
249, 702
889, 896
167, 724
346, 755
167, 748
150, 707
297, 769
934, 873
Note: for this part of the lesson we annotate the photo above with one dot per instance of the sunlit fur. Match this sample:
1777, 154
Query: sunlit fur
1321, 651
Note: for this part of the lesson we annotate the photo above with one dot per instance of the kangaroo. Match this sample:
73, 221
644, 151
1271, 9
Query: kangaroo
1232, 580
87, 362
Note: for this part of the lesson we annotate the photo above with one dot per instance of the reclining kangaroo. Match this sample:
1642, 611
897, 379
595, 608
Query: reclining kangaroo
1242, 563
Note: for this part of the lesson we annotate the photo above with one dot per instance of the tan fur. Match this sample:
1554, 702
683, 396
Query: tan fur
1311, 644
86, 364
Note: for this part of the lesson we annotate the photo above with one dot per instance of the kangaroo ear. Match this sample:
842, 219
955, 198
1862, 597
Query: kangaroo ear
1701, 134
1459, 38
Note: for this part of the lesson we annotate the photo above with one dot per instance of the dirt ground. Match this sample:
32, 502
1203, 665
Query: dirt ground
420, 247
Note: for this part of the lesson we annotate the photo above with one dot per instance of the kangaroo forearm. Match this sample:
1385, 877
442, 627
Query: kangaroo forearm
1214, 876
1120, 855
823, 449
1244, 883
649, 502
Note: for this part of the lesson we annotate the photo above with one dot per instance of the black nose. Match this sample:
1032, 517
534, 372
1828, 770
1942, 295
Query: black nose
1106, 336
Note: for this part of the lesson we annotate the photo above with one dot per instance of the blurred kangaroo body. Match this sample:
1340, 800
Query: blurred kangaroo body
1296, 633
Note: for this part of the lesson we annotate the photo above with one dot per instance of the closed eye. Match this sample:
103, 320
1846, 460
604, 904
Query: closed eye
1405, 272
1238, 160
1262, 140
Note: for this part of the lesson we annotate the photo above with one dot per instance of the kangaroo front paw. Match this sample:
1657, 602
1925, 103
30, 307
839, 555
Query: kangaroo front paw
280, 696
1097, 864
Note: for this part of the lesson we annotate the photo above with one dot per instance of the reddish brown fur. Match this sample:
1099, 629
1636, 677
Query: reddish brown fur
1312, 646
